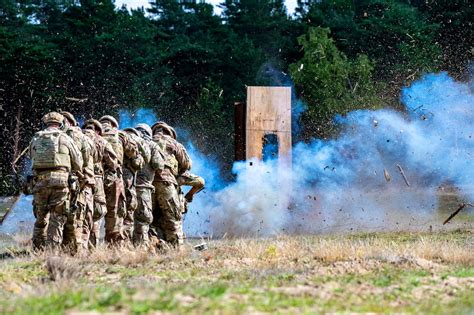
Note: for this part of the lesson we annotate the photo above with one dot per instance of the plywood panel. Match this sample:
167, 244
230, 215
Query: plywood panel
268, 112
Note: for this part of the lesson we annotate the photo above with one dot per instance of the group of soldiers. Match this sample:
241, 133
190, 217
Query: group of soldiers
129, 179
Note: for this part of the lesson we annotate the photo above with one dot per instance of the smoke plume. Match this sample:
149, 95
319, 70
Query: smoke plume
355, 182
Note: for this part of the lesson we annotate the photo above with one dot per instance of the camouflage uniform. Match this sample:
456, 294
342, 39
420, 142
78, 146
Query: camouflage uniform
167, 208
54, 155
154, 161
84, 203
122, 146
104, 158
130, 169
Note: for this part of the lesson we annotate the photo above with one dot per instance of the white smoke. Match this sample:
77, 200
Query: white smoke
354, 182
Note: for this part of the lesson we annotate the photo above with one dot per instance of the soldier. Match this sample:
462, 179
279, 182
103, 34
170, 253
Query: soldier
83, 198
167, 211
104, 158
122, 146
130, 169
154, 161
54, 155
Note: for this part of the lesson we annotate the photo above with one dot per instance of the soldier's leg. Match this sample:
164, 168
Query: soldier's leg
132, 204
183, 209
143, 216
59, 209
72, 238
84, 231
115, 212
153, 230
170, 213
41, 213
100, 210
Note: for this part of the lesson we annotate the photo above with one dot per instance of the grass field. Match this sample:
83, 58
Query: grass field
383, 273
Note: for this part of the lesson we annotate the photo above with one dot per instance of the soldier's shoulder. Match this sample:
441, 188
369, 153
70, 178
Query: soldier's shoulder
181, 146
66, 137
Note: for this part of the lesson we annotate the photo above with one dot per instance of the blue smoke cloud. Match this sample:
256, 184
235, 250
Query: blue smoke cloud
131, 119
354, 182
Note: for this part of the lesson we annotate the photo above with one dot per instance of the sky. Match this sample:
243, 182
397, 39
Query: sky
132, 4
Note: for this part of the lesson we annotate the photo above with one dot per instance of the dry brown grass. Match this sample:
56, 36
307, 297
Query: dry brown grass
302, 269
329, 250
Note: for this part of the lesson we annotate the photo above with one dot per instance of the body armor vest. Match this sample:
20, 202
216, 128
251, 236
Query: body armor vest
47, 152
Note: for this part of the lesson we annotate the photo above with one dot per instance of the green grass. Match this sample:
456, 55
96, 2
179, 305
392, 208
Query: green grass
266, 276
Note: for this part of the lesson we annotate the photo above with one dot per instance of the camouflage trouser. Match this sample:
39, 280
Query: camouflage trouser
131, 203
115, 200
100, 209
183, 205
143, 216
73, 230
50, 208
167, 213
84, 222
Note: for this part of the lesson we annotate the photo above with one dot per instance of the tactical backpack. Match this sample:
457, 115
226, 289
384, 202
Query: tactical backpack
46, 151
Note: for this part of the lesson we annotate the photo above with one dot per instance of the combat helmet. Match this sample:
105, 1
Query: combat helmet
110, 119
95, 124
132, 130
165, 128
144, 128
69, 117
52, 117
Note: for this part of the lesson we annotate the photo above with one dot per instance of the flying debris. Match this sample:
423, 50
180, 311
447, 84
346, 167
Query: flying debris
403, 175
201, 247
462, 206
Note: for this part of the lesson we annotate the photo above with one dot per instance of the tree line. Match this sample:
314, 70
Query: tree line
190, 65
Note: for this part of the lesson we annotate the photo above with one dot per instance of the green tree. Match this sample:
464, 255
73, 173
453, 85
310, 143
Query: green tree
27, 84
456, 32
208, 67
330, 83
398, 38
267, 24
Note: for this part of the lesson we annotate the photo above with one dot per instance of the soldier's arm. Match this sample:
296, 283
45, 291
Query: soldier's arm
146, 152
196, 182
157, 158
184, 161
130, 147
86, 149
109, 159
87, 153
74, 154
132, 151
